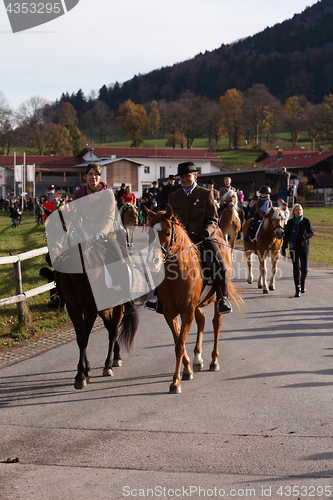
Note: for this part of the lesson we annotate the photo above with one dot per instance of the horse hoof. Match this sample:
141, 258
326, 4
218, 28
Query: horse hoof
80, 384
260, 287
272, 288
265, 291
108, 372
175, 389
250, 282
117, 362
214, 367
187, 376
198, 367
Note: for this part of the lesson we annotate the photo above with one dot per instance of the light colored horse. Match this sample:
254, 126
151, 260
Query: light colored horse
130, 221
268, 244
182, 292
229, 220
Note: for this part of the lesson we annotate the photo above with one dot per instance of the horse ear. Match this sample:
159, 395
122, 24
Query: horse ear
150, 213
169, 211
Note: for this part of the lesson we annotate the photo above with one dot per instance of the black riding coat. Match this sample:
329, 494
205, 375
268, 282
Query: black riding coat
305, 232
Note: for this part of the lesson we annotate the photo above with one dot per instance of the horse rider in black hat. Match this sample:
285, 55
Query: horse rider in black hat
196, 209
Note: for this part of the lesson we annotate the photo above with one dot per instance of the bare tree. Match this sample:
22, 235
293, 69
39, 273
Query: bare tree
260, 112
32, 111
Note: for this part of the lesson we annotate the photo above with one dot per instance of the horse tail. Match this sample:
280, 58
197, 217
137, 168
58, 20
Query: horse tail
235, 297
127, 330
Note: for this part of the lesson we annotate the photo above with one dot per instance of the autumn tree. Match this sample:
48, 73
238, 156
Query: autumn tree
132, 119
325, 117
294, 116
65, 113
231, 114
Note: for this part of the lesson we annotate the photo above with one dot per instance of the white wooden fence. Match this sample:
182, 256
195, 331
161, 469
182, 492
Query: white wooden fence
21, 296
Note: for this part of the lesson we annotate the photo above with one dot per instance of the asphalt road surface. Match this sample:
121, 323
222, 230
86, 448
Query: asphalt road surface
261, 427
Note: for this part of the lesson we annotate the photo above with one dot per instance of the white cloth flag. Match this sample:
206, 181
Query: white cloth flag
18, 173
30, 173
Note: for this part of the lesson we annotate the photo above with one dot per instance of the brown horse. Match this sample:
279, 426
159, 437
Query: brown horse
130, 221
182, 291
268, 244
81, 305
229, 221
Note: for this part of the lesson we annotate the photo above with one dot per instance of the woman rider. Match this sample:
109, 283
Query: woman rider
98, 214
196, 209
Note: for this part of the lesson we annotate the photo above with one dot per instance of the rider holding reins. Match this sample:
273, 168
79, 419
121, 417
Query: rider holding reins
195, 207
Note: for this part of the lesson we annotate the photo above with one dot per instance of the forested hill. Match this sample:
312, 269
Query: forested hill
291, 58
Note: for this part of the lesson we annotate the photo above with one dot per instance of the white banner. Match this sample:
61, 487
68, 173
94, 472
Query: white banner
2, 176
30, 173
18, 173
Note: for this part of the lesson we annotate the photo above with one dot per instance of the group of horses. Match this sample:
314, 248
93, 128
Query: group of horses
183, 297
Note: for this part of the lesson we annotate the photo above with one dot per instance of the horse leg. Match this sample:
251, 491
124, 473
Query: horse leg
181, 354
274, 262
217, 322
263, 274
82, 337
117, 361
180, 336
111, 323
249, 261
200, 320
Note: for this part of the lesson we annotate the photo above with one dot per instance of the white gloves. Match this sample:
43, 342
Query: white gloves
100, 236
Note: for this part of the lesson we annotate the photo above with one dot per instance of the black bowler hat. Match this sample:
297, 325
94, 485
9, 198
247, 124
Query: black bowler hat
172, 177
211, 182
187, 167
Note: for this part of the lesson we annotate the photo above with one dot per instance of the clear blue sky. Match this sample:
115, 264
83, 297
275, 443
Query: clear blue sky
103, 41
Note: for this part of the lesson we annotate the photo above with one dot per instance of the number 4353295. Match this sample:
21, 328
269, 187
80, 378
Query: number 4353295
34, 8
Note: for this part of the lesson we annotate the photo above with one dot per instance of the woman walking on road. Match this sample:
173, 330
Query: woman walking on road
297, 235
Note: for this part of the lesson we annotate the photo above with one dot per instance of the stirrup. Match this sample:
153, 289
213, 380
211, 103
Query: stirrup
224, 306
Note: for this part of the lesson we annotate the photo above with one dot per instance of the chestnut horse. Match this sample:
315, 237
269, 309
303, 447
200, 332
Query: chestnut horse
182, 291
268, 244
229, 222
130, 221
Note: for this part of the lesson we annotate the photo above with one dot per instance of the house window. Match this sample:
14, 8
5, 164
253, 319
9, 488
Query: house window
162, 172
146, 170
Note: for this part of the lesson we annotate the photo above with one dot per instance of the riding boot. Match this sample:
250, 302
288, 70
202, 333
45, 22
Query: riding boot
129, 307
224, 304
153, 304
297, 284
58, 300
303, 278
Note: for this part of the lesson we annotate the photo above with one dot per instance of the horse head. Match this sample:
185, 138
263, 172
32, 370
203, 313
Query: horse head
277, 217
132, 214
230, 198
161, 236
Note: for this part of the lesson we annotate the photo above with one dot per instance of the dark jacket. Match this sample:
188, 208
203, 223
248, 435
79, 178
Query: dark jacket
305, 232
197, 212
284, 180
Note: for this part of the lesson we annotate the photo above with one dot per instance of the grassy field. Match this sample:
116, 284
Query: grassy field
29, 236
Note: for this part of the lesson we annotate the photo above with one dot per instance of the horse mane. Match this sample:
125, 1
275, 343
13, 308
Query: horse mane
229, 194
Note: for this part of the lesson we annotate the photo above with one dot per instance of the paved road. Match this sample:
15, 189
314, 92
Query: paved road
262, 427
